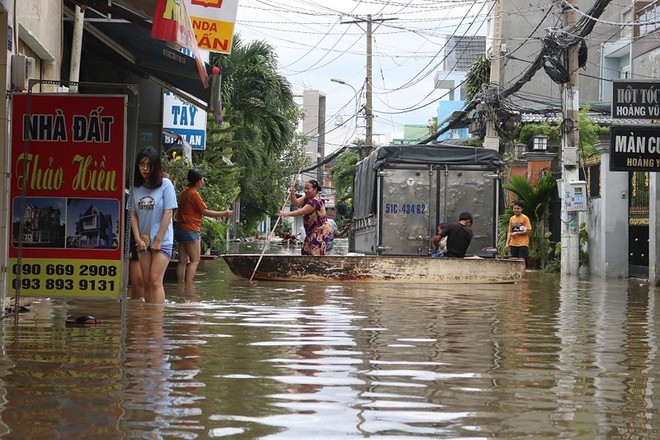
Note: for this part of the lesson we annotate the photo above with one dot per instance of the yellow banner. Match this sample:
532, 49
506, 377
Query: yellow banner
65, 278
213, 35
213, 23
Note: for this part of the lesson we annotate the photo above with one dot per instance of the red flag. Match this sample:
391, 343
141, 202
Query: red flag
172, 23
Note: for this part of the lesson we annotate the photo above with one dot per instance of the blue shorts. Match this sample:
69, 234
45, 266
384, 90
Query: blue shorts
166, 250
183, 236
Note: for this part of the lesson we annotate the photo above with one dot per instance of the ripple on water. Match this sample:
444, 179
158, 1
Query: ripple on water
545, 358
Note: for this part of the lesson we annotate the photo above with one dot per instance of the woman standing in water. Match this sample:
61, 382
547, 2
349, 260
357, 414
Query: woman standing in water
192, 209
153, 203
312, 209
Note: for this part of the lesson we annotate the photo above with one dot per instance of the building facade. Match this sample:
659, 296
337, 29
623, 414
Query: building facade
460, 53
102, 48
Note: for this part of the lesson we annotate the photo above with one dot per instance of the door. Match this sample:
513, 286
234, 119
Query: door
406, 198
638, 225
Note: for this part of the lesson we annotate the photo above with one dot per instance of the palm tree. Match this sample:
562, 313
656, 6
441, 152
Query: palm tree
536, 201
260, 121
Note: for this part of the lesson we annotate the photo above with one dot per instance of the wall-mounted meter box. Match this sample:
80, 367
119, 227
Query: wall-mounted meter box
22, 69
576, 196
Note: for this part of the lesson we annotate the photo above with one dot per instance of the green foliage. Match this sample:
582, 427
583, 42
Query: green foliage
478, 75
583, 239
473, 142
536, 201
258, 135
219, 191
343, 175
590, 131
176, 167
554, 258
528, 131
213, 234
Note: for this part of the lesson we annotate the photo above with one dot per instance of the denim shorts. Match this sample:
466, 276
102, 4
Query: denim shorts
183, 236
166, 250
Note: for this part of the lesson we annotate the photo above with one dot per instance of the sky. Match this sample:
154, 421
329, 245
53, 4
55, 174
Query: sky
315, 42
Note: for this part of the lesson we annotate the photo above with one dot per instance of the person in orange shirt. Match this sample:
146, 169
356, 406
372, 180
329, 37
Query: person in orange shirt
517, 237
187, 230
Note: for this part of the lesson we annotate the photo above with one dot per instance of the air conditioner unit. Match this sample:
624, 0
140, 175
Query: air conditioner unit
22, 69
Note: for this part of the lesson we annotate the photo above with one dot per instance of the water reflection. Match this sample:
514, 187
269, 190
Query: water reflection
545, 358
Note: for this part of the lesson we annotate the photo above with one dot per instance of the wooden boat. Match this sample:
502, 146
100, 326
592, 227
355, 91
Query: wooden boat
398, 269
401, 193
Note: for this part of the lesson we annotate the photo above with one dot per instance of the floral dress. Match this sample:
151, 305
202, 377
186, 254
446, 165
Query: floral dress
317, 228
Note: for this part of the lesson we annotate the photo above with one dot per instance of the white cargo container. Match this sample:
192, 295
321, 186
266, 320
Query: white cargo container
402, 192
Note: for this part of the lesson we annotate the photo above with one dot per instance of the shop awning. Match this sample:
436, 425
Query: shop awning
121, 8
129, 40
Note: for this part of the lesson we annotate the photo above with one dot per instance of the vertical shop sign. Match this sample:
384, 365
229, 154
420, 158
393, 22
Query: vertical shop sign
67, 195
184, 118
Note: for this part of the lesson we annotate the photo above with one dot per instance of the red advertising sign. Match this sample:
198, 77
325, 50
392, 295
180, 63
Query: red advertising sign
67, 195
208, 3
172, 23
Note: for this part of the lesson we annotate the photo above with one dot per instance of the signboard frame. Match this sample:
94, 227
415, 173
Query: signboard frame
66, 198
635, 99
635, 148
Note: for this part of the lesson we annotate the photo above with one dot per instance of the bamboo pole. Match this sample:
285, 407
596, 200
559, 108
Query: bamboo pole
272, 231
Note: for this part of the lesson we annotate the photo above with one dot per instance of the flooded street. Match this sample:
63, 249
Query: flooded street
543, 359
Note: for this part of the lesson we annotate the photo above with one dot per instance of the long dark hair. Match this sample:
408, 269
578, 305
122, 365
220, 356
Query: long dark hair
155, 178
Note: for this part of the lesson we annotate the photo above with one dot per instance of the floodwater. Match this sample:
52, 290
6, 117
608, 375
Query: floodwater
546, 358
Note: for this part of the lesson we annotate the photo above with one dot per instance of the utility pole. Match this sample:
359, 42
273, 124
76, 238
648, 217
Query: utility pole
492, 139
368, 110
570, 262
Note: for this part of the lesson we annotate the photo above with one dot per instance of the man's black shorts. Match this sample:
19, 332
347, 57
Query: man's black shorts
519, 251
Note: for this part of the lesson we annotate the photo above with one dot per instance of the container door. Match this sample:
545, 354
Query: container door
406, 197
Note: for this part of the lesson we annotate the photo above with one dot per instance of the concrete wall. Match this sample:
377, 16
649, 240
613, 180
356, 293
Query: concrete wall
647, 65
40, 37
314, 127
654, 227
607, 223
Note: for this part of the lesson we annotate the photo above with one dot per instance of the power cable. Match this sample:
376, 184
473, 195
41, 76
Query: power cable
582, 28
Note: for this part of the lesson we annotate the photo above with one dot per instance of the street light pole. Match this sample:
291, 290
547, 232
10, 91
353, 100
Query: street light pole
357, 102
